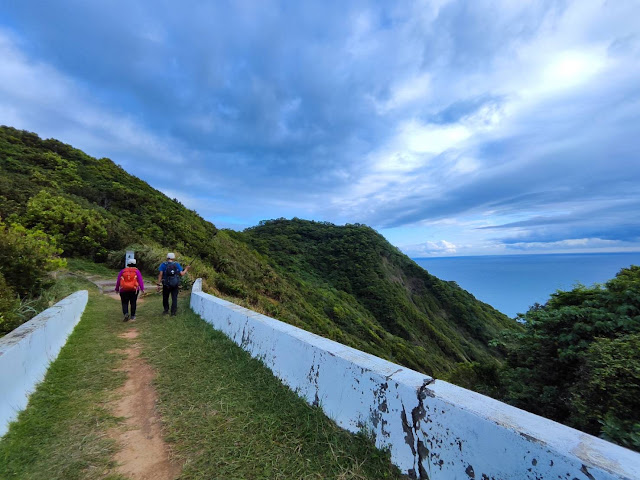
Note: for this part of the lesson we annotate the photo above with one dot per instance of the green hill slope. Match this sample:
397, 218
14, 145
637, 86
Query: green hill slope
400, 307
345, 283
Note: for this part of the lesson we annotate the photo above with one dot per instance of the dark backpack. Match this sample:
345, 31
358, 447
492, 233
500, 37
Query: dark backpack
171, 277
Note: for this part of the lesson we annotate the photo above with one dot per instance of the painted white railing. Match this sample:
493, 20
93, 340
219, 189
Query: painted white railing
26, 352
433, 429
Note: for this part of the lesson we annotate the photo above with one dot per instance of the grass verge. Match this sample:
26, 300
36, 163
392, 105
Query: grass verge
228, 417
62, 433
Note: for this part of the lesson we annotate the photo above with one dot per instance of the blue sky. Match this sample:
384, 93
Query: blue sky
452, 127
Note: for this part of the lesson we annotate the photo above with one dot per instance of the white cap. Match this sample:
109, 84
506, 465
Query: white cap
131, 261
171, 256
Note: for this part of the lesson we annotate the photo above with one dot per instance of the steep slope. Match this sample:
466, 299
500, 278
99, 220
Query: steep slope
422, 313
62, 190
344, 283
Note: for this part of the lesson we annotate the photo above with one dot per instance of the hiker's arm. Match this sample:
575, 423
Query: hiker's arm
185, 270
140, 280
159, 278
118, 281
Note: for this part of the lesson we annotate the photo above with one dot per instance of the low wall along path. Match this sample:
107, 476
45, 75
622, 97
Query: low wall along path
433, 429
25, 353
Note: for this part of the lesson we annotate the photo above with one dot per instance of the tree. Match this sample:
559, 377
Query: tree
577, 359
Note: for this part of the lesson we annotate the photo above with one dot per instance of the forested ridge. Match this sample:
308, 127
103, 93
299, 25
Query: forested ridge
574, 359
346, 283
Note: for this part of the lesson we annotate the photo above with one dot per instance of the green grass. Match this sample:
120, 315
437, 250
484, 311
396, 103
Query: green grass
228, 417
62, 433
82, 265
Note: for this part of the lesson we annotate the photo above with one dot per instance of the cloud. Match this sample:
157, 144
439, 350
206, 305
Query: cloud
36, 95
572, 245
430, 249
514, 117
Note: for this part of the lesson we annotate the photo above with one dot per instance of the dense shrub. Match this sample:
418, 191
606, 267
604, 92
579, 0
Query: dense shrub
26, 258
77, 230
9, 304
577, 361
606, 396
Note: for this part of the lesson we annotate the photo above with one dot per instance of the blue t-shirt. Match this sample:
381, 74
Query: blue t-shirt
163, 267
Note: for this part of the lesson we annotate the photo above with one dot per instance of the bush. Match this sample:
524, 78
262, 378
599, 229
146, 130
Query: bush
9, 304
480, 377
230, 286
577, 360
78, 230
26, 258
607, 395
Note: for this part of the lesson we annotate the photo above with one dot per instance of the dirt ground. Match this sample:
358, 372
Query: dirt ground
143, 453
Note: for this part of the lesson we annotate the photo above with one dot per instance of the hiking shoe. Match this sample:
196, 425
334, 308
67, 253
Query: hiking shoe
173, 314
133, 317
126, 318
166, 312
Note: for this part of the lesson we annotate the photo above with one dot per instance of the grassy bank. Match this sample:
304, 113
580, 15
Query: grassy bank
62, 433
229, 418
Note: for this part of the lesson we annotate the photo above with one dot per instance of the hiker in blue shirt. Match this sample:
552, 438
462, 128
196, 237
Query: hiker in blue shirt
169, 277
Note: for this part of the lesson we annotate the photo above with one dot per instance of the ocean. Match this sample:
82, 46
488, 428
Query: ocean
512, 283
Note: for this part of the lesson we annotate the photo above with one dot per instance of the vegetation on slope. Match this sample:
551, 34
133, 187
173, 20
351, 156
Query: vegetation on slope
374, 292
577, 361
378, 300
90, 206
26, 259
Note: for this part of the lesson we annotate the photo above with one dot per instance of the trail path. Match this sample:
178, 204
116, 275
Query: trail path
143, 454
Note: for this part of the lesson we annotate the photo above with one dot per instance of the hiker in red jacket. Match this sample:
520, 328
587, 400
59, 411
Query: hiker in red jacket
129, 283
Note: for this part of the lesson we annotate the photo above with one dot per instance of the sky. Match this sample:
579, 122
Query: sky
451, 127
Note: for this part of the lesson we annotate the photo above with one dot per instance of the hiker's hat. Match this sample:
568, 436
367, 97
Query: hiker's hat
171, 256
131, 261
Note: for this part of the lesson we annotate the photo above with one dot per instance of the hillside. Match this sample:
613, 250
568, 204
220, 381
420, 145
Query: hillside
345, 283
392, 300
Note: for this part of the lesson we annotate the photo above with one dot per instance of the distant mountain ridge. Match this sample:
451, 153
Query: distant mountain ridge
346, 283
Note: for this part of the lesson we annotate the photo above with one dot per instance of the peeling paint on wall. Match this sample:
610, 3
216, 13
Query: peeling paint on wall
25, 353
433, 430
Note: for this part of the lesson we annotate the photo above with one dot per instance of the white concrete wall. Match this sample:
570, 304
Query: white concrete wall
433, 429
26, 352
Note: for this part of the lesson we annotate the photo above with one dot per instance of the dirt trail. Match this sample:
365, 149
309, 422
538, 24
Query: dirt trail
143, 454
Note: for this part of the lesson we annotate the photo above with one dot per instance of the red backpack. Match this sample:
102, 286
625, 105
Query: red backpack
129, 280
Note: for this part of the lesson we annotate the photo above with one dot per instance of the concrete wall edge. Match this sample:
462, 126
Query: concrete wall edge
433, 429
27, 351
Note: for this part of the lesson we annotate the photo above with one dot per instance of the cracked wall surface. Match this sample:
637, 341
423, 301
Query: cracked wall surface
26, 352
434, 430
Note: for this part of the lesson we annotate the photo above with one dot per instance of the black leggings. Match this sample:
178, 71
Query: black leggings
126, 298
173, 291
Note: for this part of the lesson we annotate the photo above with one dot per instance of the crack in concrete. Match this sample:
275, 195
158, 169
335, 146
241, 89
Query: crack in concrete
418, 449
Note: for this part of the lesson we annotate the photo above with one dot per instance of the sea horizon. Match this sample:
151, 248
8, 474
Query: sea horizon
512, 283
527, 254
